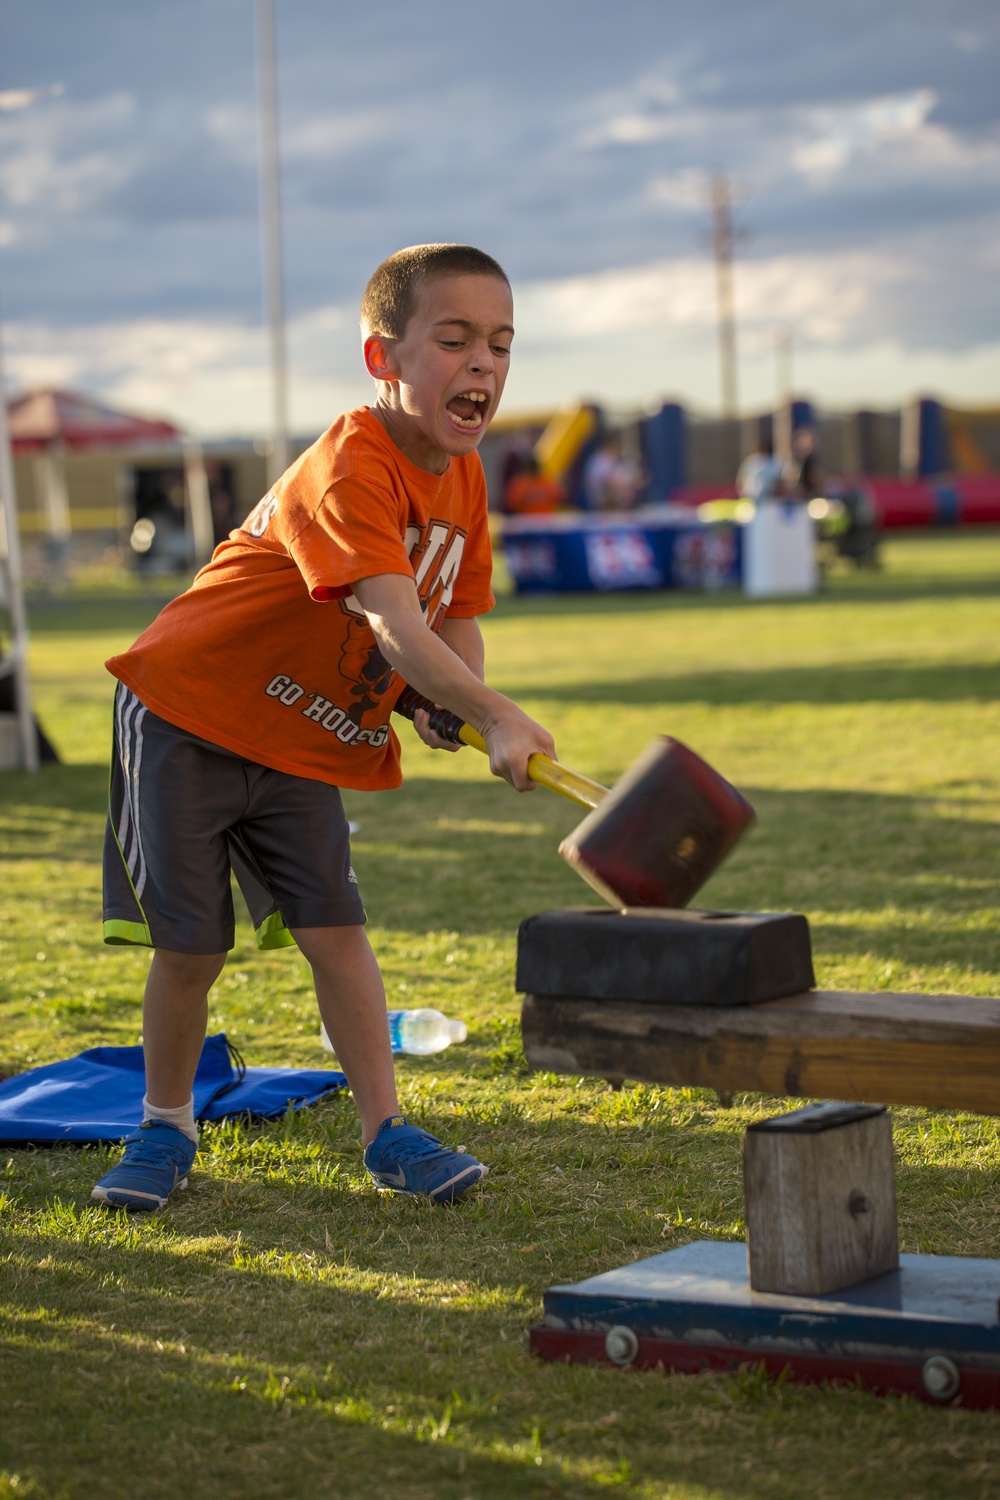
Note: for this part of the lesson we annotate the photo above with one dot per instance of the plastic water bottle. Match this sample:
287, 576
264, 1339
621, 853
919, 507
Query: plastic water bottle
417, 1032
420, 1032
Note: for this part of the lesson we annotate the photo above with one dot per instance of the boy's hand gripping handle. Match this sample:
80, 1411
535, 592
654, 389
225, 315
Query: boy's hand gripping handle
546, 772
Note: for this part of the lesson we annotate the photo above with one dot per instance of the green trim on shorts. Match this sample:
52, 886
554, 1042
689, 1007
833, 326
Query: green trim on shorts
272, 933
118, 934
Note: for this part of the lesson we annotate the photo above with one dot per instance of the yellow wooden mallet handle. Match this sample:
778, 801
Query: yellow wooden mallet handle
541, 768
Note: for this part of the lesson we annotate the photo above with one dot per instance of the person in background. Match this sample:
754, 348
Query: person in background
611, 480
529, 492
520, 447
802, 477
759, 476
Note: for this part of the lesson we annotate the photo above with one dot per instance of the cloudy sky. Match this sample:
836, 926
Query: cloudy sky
573, 139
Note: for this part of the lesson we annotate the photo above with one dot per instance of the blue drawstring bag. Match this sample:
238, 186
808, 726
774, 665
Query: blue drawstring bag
97, 1095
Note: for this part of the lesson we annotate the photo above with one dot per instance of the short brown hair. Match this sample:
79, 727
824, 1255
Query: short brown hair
390, 297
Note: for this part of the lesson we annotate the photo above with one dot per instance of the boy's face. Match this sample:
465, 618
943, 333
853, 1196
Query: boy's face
440, 384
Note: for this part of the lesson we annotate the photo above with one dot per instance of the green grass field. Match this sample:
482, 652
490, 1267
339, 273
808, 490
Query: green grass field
284, 1331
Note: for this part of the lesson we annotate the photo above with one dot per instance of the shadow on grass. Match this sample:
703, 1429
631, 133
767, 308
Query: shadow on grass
73, 788
100, 613
57, 814
845, 589
288, 1339
224, 1424
456, 857
871, 682
469, 856
308, 1405
96, 614
254, 1362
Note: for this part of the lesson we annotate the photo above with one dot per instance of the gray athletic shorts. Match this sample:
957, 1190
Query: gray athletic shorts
184, 813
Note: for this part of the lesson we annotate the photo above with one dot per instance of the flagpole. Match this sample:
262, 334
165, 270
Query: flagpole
270, 236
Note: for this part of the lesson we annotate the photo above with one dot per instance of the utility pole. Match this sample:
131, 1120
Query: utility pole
722, 197
784, 348
784, 380
270, 236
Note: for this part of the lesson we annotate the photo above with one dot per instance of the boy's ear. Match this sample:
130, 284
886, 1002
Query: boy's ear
378, 358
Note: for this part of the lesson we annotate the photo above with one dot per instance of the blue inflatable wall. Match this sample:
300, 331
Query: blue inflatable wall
664, 448
933, 451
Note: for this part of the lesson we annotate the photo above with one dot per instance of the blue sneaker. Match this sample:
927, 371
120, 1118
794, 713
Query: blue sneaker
408, 1160
157, 1159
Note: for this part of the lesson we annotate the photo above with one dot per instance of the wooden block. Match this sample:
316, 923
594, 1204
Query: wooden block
820, 1193
942, 1051
677, 957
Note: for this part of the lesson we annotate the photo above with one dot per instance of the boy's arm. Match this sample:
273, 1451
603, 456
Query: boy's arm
440, 674
464, 637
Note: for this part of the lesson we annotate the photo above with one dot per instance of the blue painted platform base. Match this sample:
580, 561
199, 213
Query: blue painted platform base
930, 1329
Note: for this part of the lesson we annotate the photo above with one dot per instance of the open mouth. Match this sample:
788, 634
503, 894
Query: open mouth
469, 409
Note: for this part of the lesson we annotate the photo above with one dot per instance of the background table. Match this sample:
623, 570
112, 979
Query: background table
657, 547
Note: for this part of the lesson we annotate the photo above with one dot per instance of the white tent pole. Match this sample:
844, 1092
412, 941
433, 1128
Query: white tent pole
270, 235
10, 538
199, 502
10, 562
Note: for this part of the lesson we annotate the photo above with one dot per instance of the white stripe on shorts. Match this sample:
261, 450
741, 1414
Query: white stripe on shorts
131, 712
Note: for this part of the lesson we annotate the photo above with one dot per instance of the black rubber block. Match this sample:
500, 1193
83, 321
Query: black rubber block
665, 956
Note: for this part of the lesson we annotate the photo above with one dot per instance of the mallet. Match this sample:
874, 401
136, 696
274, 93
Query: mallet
655, 838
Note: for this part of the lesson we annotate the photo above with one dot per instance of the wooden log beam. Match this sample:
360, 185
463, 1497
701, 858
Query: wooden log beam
942, 1051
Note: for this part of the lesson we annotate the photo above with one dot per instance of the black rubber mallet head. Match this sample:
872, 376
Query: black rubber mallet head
655, 838
661, 831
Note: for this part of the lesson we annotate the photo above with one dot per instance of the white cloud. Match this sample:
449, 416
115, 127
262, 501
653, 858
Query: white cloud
319, 135
55, 156
627, 374
11, 99
636, 130
828, 297
213, 376
622, 336
648, 110
132, 261
777, 143
847, 131
234, 127
686, 189
153, 357
332, 134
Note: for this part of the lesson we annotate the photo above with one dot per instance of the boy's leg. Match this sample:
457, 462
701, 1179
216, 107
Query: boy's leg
174, 1022
159, 1155
295, 854
352, 1003
166, 885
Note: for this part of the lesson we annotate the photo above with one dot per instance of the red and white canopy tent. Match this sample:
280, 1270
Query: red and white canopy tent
47, 423
40, 418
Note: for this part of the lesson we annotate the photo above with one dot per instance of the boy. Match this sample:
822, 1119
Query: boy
266, 687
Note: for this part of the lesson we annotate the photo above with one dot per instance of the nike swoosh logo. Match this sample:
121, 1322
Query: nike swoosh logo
393, 1179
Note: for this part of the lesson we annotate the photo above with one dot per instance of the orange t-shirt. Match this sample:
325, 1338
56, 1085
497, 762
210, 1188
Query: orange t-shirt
269, 655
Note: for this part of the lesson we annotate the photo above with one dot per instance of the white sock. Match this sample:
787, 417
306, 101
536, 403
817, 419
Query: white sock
182, 1117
